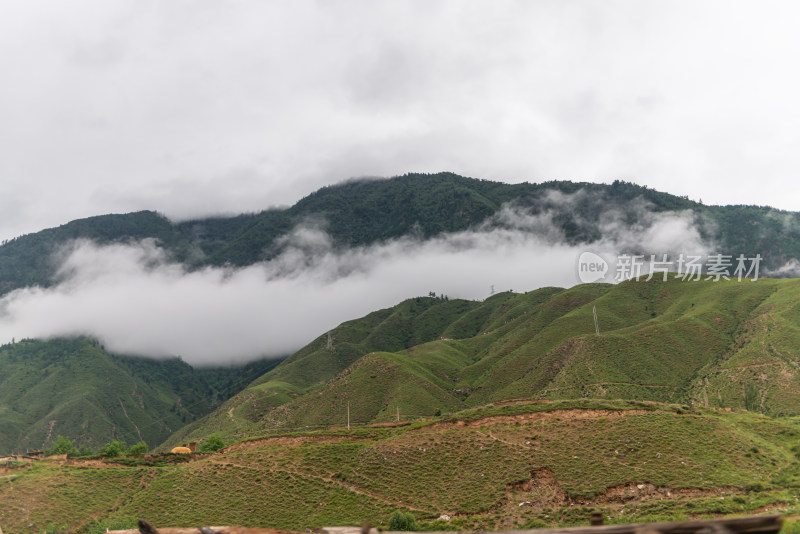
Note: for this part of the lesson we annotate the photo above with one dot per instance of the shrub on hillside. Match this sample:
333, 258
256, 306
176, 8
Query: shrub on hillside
115, 448
63, 445
139, 448
213, 443
401, 521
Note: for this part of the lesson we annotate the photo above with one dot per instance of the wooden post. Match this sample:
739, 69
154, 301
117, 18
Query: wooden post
145, 527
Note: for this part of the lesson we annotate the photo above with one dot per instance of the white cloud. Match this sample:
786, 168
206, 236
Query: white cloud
135, 301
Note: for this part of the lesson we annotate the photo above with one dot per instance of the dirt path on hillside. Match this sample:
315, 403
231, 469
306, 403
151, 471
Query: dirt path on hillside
749, 365
601, 384
532, 417
331, 480
507, 442
290, 441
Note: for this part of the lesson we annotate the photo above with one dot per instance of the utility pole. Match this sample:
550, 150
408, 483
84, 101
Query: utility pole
398, 413
596, 326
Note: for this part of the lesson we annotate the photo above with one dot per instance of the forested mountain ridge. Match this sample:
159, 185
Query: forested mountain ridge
362, 212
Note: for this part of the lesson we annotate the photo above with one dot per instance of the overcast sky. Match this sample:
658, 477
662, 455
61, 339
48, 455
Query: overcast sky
205, 107
209, 106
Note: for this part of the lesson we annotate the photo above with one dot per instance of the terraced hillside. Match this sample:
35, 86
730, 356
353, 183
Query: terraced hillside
540, 464
716, 344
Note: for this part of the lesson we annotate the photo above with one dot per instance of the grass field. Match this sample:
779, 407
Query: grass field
519, 465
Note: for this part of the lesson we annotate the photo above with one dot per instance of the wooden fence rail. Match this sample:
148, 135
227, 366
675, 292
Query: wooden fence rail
763, 524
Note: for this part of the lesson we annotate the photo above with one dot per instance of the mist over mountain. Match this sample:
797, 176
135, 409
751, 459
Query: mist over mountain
234, 289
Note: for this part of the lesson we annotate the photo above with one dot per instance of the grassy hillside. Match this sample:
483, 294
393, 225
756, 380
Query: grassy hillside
363, 212
759, 372
411, 322
523, 465
717, 344
73, 387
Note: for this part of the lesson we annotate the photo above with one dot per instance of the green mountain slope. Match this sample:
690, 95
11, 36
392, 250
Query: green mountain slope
718, 344
524, 465
75, 388
760, 371
363, 212
411, 322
